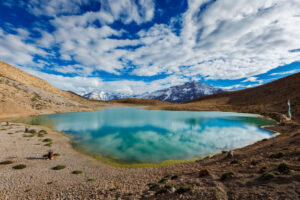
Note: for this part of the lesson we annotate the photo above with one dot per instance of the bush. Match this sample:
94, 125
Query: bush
161, 191
277, 155
77, 172
91, 179
48, 140
21, 166
263, 170
163, 181
227, 175
59, 167
7, 162
184, 189
174, 177
32, 131
283, 168
152, 185
267, 176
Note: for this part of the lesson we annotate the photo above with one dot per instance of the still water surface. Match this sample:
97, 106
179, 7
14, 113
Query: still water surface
133, 135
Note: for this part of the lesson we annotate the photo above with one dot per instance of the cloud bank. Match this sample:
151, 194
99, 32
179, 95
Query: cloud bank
209, 40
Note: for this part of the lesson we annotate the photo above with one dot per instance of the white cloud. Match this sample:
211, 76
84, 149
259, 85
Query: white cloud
15, 50
227, 40
285, 73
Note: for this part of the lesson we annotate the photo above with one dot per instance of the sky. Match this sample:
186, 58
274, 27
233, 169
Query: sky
137, 46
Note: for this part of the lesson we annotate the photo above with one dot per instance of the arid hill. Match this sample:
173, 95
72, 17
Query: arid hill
269, 99
22, 94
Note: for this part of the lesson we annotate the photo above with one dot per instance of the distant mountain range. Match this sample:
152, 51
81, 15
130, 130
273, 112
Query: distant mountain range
178, 93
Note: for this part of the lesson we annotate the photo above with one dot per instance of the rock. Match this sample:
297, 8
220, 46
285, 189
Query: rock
173, 189
203, 172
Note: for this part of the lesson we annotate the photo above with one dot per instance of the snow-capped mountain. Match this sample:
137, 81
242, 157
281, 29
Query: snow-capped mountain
178, 93
182, 93
105, 96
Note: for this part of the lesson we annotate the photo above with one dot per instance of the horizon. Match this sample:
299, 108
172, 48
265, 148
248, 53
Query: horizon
141, 46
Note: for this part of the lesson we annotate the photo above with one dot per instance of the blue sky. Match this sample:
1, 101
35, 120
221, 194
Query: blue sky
135, 46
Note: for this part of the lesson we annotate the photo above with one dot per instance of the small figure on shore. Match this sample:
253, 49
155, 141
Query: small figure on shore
230, 154
7, 123
50, 155
26, 129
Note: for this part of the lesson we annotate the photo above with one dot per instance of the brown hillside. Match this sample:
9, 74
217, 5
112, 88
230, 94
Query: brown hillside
270, 99
22, 94
22, 77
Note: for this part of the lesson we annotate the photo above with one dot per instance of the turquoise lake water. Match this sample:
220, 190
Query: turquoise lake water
133, 135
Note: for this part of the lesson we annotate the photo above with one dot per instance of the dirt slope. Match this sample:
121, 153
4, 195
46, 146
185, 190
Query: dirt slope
22, 94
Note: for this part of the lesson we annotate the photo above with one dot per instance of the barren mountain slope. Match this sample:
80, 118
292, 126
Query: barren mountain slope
22, 94
269, 99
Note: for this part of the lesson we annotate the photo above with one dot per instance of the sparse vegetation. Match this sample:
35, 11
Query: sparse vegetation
227, 175
91, 179
203, 172
174, 177
283, 168
28, 190
153, 185
10, 133
49, 183
161, 191
262, 169
47, 140
267, 176
21, 166
77, 172
184, 189
7, 162
59, 167
277, 155
163, 181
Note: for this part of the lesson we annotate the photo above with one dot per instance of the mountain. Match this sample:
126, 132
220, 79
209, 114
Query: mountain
269, 99
105, 96
182, 93
174, 94
22, 94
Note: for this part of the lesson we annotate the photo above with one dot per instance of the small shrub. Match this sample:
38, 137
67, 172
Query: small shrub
277, 155
168, 176
49, 183
21, 166
7, 162
262, 170
267, 176
9, 133
184, 189
283, 168
40, 135
161, 191
168, 187
48, 144
43, 132
234, 162
28, 190
174, 177
32, 131
77, 172
152, 185
59, 167
48, 140
91, 179
227, 175
163, 181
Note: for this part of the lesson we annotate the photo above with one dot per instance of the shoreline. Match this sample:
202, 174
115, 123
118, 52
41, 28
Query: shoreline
111, 162
39, 180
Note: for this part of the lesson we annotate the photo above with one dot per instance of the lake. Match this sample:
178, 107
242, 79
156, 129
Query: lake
132, 135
